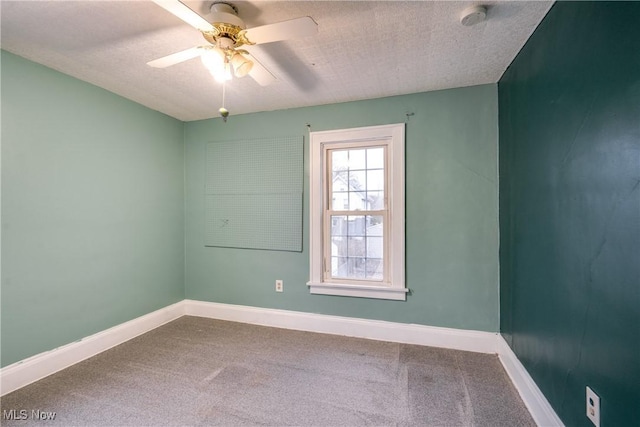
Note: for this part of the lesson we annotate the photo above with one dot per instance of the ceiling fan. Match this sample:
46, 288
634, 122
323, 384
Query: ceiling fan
226, 33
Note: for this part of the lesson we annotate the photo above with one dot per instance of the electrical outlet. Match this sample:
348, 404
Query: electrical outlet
593, 407
279, 286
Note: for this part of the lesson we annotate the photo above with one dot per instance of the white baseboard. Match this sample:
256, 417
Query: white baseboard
538, 405
39, 366
458, 339
34, 368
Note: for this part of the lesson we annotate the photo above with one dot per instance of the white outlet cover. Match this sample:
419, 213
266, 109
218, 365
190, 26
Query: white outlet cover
593, 407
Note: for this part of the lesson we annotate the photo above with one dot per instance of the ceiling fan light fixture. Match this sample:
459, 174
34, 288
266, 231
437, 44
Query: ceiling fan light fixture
214, 60
241, 64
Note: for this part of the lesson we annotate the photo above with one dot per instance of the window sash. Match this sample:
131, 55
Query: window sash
329, 213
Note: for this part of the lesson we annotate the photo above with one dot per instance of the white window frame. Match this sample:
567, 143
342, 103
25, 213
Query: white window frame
393, 137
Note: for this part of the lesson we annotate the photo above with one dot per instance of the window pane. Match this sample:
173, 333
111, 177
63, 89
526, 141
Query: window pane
340, 159
375, 158
340, 180
356, 225
357, 159
375, 200
340, 201
337, 246
356, 247
375, 179
374, 225
356, 268
357, 180
339, 267
374, 247
374, 269
338, 229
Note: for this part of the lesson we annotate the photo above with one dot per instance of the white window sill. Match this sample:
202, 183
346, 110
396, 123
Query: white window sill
360, 291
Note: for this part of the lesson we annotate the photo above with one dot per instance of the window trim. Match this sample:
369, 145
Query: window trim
394, 136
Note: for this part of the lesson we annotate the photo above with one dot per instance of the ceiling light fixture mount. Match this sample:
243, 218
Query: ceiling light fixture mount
473, 15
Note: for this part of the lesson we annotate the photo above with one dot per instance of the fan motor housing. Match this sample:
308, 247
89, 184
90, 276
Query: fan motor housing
226, 24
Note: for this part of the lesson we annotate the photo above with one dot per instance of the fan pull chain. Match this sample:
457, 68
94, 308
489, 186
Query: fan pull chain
224, 113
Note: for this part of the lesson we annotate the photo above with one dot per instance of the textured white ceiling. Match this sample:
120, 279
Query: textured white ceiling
363, 50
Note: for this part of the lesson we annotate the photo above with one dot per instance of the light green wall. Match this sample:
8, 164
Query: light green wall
93, 199
92, 209
451, 212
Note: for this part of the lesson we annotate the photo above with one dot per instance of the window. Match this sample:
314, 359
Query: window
357, 212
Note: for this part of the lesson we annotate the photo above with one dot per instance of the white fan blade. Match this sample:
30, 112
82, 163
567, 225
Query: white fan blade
260, 74
295, 28
183, 12
175, 58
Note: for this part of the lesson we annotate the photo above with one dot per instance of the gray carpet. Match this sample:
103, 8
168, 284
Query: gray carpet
197, 371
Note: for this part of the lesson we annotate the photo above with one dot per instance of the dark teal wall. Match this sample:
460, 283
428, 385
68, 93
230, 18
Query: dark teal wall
569, 117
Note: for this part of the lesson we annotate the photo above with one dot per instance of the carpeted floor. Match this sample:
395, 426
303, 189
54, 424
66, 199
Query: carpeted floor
197, 371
